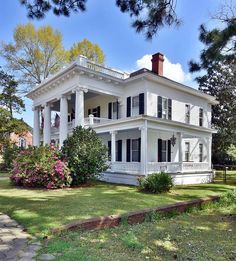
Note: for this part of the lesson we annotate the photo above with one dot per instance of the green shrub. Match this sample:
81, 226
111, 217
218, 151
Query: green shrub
156, 183
40, 167
86, 155
10, 152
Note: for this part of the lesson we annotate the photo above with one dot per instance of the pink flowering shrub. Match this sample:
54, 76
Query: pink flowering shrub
40, 167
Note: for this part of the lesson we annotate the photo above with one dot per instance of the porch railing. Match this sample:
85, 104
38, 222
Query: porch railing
131, 167
171, 167
195, 166
91, 120
83, 61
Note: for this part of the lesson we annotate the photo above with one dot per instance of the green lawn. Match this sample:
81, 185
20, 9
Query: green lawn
4, 174
230, 176
201, 235
40, 210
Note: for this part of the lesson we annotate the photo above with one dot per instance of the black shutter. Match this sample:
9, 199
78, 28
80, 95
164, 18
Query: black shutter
169, 109
128, 111
98, 111
117, 109
119, 156
169, 151
128, 150
139, 150
159, 107
141, 103
110, 110
89, 112
159, 155
109, 149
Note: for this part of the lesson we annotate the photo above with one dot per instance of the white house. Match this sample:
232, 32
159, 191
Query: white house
149, 122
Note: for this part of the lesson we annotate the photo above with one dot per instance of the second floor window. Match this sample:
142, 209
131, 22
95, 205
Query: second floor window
200, 152
200, 117
164, 108
187, 151
187, 113
135, 106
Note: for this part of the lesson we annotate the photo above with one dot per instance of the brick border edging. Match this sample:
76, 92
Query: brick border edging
132, 217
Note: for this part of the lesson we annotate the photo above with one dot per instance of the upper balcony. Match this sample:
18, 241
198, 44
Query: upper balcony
85, 62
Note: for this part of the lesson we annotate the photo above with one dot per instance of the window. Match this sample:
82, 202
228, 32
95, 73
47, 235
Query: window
187, 151
115, 110
135, 150
164, 108
22, 143
187, 113
164, 151
135, 106
200, 117
200, 152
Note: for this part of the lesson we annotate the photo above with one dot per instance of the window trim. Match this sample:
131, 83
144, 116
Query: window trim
201, 117
187, 113
187, 152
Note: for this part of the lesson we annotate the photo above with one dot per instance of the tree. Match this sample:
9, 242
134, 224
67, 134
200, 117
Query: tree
9, 98
9, 125
86, 155
149, 15
35, 53
91, 51
218, 64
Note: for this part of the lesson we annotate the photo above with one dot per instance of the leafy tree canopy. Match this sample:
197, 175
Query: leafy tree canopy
36, 54
10, 97
149, 15
91, 51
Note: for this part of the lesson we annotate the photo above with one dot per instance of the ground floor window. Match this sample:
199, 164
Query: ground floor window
200, 152
135, 150
164, 150
187, 151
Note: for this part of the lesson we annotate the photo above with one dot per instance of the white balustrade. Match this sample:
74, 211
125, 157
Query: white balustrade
95, 120
83, 61
195, 166
172, 167
131, 167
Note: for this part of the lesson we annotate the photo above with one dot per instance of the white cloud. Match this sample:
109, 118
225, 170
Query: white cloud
173, 71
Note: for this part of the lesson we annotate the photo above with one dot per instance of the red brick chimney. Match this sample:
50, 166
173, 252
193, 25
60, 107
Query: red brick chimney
157, 63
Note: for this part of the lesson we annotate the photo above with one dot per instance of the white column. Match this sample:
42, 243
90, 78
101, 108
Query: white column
209, 148
36, 131
180, 144
47, 124
113, 146
63, 119
79, 106
144, 157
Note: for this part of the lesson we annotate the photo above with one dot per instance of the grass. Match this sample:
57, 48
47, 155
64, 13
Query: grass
40, 210
4, 174
200, 235
230, 177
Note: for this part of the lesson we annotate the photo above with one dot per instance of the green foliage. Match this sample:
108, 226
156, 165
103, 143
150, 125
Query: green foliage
156, 183
131, 241
40, 167
9, 125
229, 198
232, 151
34, 53
86, 155
92, 51
9, 98
10, 152
150, 15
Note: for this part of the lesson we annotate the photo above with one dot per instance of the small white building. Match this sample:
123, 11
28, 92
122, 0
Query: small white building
149, 122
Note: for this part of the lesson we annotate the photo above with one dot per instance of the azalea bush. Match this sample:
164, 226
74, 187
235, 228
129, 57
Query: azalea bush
40, 167
156, 183
86, 155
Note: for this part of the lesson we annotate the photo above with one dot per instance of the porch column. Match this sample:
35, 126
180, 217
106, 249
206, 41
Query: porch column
144, 158
63, 119
209, 145
36, 131
180, 139
113, 146
79, 106
47, 124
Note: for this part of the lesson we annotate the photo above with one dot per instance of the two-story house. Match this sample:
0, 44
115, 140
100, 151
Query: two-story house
148, 122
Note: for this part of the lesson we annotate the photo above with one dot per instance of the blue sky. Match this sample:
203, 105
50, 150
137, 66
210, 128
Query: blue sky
105, 25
